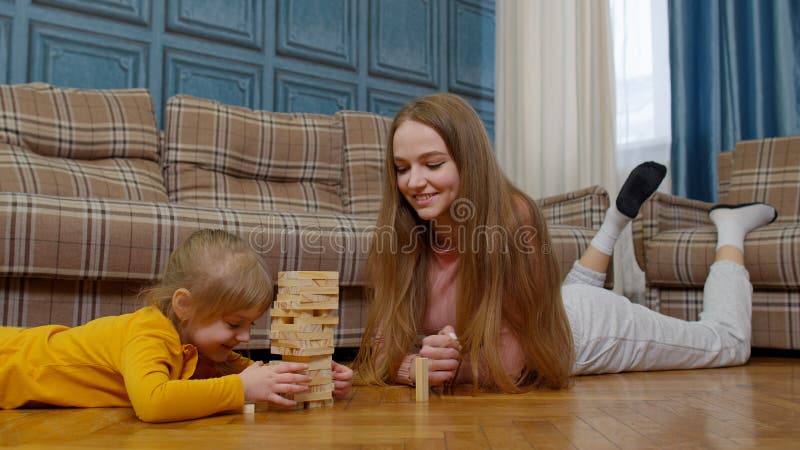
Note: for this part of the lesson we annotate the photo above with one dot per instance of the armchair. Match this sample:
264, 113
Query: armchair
674, 241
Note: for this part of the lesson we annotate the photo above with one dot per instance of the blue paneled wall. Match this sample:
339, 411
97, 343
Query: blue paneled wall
282, 55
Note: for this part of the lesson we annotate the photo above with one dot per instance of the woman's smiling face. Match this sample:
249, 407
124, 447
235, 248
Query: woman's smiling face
427, 176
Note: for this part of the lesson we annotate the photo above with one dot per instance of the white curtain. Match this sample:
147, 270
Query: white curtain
554, 101
641, 57
641, 60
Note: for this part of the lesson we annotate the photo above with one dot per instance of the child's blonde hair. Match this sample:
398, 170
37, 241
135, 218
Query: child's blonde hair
220, 271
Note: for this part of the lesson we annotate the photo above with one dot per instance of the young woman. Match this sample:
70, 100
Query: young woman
453, 281
172, 360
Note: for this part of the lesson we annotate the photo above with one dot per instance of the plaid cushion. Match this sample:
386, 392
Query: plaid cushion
79, 124
22, 170
582, 208
683, 257
664, 212
573, 219
232, 157
365, 137
772, 324
75, 143
768, 170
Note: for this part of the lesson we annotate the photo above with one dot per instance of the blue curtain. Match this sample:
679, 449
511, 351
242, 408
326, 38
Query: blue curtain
735, 68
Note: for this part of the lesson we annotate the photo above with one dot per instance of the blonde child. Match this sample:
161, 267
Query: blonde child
171, 360
452, 282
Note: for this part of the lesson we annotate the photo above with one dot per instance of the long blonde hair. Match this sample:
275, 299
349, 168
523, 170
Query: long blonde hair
516, 285
220, 271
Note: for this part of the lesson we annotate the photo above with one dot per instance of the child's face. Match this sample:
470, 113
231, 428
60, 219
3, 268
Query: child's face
426, 174
216, 337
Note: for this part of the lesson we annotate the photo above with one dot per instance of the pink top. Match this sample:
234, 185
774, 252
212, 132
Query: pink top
441, 311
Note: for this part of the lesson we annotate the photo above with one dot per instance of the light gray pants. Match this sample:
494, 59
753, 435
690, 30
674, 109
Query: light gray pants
612, 334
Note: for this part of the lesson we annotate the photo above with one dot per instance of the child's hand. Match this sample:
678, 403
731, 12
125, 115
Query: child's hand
266, 383
444, 352
342, 379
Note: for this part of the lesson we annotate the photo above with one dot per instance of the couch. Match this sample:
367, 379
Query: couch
674, 241
94, 197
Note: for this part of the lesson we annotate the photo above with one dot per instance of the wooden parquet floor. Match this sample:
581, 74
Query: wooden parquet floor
754, 406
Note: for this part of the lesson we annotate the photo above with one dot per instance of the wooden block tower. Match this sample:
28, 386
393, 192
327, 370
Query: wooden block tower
304, 317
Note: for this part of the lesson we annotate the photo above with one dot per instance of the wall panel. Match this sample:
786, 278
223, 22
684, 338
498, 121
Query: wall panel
404, 37
471, 54
386, 103
208, 76
319, 31
5, 49
69, 57
298, 92
232, 21
134, 11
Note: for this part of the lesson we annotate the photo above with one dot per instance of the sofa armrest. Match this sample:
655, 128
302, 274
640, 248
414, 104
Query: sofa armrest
664, 212
583, 208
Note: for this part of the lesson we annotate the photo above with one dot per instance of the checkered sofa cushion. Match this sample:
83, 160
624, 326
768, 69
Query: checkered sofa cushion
573, 219
231, 157
365, 137
767, 170
79, 143
682, 257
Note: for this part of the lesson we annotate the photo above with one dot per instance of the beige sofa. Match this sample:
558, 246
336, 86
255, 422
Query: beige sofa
94, 197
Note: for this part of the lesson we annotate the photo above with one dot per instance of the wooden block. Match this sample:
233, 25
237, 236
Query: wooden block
325, 387
421, 374
319, 372
301, 335
320, 379
317, 320
298, 327
278, 312
302, 306
311, 290
300, 274
293, 343
301, 351
286, 282
306, 298
249, 408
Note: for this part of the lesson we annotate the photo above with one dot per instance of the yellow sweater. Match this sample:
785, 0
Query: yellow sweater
129, 360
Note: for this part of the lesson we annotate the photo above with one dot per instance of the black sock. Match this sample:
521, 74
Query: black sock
640, 185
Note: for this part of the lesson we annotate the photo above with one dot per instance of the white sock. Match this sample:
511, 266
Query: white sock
609, 232
733, 223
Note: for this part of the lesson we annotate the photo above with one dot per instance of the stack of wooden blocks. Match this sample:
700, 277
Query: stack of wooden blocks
304, 317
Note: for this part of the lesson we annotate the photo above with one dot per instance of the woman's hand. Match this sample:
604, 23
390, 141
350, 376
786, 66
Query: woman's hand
266, 383
444, 352
342, 379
